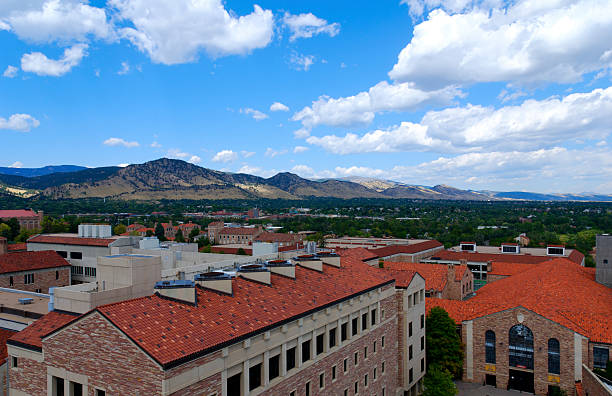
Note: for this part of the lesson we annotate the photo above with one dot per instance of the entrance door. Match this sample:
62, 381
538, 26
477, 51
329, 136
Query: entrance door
490, 380
521, 380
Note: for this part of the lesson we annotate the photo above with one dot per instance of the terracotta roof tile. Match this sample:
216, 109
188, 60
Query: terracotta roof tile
406, 249
359, 253
28, 261
32, 335
16, 247
71, 240
508, 269
239, 231
435, 274
5, 214
274, 237
4, 335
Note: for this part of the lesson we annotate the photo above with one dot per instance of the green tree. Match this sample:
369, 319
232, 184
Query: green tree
179, 236
159, 232
443, 343
241, 252
25, 234
438, 382
15, 228
119, 229
194, 233
5, 231
149, 233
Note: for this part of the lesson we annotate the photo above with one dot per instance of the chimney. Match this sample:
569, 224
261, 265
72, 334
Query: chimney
3, 246
255, 272
450, 274
217, 281
181, 290
309, 261
281, 267
329, 258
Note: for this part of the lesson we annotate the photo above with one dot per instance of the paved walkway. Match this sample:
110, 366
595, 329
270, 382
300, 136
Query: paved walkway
470, 389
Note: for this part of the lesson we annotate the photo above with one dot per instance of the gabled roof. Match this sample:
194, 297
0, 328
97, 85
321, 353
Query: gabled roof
71, 240
172, 332
359, 253
5, 214
435, 275
16, 247
29, 261
31, 336
559, 290
406, 249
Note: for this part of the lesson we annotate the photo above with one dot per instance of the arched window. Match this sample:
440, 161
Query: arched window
490, 347
554, 356
521, 347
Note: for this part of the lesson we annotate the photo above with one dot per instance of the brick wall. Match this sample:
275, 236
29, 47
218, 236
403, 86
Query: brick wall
109, 359
30, 377
591, 385
542, 329
210, 386
43, 279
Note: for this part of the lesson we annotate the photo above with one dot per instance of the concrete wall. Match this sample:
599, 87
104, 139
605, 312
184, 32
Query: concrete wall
603, 273
592, 385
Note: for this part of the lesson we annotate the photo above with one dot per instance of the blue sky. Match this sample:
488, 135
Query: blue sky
474, 94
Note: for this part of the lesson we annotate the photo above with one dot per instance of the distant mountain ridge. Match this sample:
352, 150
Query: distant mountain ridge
175, 179
45, 170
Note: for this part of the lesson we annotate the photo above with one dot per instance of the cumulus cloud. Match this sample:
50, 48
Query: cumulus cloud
361, 109
270, 152
299, 149
55, 20
277, 106
308, 25
301, 62
247, 154
256, 114
194, 159
225, 156
155, 144
10, 72
125, 68
527, 42
39, 64
172, 32
19, 122
179, 154
532, 124
16, 164
114, 141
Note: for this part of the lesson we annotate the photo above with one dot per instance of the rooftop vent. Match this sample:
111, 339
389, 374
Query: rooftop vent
255, 272
309, 261
281, 267
215, 280
25, 301
182, 290
329, 258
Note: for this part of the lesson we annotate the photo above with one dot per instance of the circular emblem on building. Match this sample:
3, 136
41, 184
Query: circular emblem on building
520, 317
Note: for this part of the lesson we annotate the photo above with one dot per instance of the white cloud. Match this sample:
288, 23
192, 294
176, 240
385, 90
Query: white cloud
123, 165
301, 133
255, 170
256, 114
113, 141
529, 42
19, 122
194, 159
247, 154
176, 153
277, 106
225, 156
125, 68
10, 72
39, 64
301, 62
361, 108
270, 152
16, 164
299, 149
530, 125
155, 144
308, 25
172, 32
55, 20
419, 7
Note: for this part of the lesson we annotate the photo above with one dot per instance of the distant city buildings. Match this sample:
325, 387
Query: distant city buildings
28, 219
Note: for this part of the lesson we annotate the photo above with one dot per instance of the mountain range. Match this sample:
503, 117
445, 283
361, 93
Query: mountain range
175, 179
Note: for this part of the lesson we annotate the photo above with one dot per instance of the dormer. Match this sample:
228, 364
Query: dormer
467, 246
555, 250
512, 248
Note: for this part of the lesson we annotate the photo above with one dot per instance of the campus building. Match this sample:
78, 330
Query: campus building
28, 219
540, 329
323, 326
368, 242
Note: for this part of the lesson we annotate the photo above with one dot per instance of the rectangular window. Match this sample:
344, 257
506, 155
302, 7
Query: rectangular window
365, 380
62, 253
290, 358
14, 359
28, 279
364, 321
422, 364
382, 342
343, 331
365, 352
600, 357
234, 384
76, 255
354, 324
332, 338
422, 321
292, 393
383, 391
321, 380
410, 352
382, 367
57, 386
356, 387
320, 343
373, 317
273, 367
356, 358
414, 298
76, 389
56, 275
11, 283
374, 374
307, 388
410, 376
254, 376
345, 365
100, 392
422, 343
305, 351
346, 392
374, 347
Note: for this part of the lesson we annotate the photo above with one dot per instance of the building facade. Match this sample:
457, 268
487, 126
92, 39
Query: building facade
34, 271
28, 219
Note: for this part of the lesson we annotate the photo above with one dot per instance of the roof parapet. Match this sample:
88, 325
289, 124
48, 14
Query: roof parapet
281, 267
216, 281
255, 272
182, 290
329, 258
310, 261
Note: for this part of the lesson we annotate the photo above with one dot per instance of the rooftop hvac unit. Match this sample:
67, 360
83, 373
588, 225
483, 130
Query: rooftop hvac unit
25, 301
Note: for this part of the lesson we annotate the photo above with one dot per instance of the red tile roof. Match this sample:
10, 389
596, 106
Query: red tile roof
16, 247
4, 335
508, 269
71, 240
451, 255
173, 332
559, 290
6, 214
274, 237
239, 231
31, 336
359, 253
579, 390
406, 249
435, 275
28, 261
